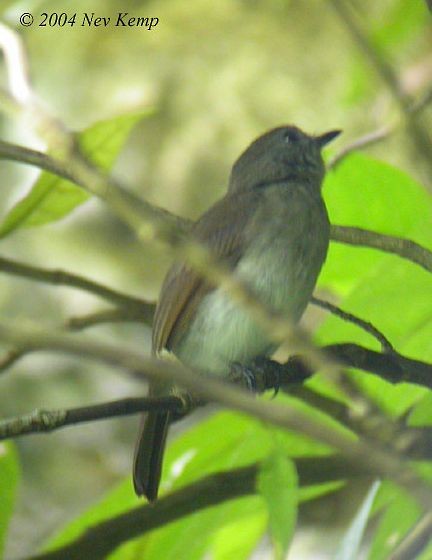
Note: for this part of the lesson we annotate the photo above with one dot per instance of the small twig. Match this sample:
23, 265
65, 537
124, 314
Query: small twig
379, 134
117, 315
415, 541
405, 248
362, 142
50, 420
63, 278
349, 317
78, 323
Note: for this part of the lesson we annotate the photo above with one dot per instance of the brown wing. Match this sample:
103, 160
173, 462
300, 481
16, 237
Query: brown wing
223, 229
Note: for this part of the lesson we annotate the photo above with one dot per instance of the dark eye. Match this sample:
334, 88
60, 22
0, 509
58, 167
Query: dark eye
291, 136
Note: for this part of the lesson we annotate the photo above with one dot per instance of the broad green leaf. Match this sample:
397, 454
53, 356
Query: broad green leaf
9, 475
51, 198
238, 538
422, 412
278, 485
350, 545
371, 194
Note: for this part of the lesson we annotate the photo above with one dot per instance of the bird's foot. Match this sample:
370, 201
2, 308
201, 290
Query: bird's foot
243, 376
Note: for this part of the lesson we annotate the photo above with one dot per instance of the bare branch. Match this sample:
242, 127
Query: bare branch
78, 323
50, 420
405, 248
379, 134
360, 143
63, 278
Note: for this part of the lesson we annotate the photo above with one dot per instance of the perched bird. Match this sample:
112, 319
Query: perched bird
272, 230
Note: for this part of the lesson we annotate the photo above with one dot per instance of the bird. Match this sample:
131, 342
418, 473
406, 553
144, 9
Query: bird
272, 230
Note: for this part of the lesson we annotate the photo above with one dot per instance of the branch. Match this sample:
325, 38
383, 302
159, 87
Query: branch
78, 323
50, 420
350, 318
379, 134
392, 367
117, 315
362, 142
100, 540
63, 278
405, 248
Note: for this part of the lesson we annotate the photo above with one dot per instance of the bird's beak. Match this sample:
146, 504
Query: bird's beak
327, 137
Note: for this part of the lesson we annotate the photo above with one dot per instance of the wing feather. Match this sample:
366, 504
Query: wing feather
223, 228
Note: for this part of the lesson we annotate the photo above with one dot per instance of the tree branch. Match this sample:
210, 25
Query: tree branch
63, 278
350, 318
380, 134
405, 248
49, 420
101, 539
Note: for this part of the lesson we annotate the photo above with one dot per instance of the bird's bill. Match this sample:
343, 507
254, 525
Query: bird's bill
327, 137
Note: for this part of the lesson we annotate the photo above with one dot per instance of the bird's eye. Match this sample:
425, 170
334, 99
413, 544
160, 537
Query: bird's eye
290, 136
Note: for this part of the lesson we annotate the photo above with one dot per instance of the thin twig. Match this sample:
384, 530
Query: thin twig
78, 323
63, 278
360, 143
349, 317
405, 248
380, 134
116, 315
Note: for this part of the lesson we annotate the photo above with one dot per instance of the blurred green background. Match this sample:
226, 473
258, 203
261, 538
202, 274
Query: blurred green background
211, 77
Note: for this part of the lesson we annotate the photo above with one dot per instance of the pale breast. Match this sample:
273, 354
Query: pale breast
289, 239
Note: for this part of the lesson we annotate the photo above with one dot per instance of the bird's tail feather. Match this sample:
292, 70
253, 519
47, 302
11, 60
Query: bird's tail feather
149, 454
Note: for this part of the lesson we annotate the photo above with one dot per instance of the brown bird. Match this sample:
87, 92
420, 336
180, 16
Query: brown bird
272, 230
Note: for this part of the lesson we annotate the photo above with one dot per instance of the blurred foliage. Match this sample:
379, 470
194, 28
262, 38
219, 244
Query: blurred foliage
208, 78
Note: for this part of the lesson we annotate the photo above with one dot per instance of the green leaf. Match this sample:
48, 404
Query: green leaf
238, 538
51, 198
374, 195
278, 485
9, 475
350, 545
